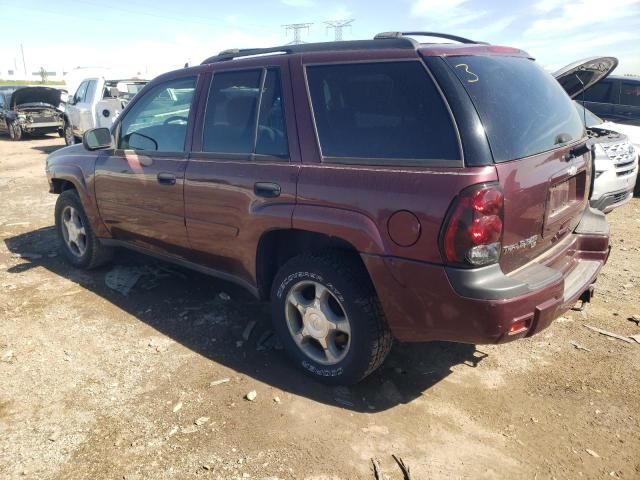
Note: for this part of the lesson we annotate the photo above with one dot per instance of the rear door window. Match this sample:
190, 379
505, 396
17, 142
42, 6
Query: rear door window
230, 118
388, 113
630, 93
524, 110
245, 115
600, 92
272, 133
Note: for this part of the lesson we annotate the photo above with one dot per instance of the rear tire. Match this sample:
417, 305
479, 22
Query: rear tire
316, 300
80, 246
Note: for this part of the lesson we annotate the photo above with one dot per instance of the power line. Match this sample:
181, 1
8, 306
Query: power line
297, 29
338, 26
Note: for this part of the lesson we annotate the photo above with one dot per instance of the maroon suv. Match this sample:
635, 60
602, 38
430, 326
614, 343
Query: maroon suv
370, 189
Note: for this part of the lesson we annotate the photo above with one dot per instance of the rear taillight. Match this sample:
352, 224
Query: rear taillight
472, 234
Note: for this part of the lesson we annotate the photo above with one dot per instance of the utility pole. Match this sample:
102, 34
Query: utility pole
297, 30
338, 26
24, 63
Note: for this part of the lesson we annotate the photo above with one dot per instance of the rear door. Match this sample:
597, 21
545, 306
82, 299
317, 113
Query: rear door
241, 177
537, 140
139, 185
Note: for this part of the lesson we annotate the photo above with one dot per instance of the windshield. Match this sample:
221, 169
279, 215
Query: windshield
591, 118
524, 110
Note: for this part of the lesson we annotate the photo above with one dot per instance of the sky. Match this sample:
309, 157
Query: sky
152, 37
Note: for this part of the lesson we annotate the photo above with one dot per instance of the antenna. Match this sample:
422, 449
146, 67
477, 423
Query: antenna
297, 30
338, 26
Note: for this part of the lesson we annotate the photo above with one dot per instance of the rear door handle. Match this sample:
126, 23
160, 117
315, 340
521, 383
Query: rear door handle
166, 178
266, 189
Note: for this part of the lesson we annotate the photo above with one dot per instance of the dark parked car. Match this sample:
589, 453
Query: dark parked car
30, 110
616, 98
370, 189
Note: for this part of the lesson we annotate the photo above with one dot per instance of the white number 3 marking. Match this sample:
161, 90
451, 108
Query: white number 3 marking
469, 72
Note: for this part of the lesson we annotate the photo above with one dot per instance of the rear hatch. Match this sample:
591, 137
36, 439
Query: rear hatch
538, 142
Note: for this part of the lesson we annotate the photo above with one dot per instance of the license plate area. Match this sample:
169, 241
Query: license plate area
565, 199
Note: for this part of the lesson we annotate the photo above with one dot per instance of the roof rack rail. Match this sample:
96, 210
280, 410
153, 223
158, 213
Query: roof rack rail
232, 53
455, 38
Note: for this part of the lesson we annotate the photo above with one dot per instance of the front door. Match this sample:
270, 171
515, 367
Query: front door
139, 185
73, 108
241, 177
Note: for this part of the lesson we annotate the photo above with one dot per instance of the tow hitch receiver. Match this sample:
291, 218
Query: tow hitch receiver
585, 298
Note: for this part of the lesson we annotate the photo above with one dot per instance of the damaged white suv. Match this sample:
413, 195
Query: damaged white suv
96, 103
616, 164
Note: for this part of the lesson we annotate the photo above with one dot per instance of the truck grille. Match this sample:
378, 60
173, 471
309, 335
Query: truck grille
623, 156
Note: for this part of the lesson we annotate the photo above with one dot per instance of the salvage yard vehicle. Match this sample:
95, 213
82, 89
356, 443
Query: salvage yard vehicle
370, 189
616, 164
616, 99
96, 103
614, 185
30, 110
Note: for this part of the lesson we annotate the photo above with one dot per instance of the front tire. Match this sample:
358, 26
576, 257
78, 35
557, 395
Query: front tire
327, 314
69, 137
80, 246
15, 132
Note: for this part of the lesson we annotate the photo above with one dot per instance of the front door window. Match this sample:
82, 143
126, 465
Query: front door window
158, 120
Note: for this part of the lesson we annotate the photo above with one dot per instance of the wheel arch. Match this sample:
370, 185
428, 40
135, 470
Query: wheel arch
276, 247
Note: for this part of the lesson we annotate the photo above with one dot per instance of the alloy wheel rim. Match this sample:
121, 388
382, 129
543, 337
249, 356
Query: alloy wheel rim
74, 231
318, 323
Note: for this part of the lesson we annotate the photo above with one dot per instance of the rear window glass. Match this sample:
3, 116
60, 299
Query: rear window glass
524, 110
600, 92
380, 112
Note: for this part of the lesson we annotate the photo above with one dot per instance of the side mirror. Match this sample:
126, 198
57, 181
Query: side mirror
71, 100
97, 139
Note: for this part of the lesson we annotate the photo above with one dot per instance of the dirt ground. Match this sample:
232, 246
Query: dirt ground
96, 384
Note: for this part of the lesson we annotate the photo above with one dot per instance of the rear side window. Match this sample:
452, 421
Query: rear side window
600, 92
630, 94
523, 109
237, 100
380, 113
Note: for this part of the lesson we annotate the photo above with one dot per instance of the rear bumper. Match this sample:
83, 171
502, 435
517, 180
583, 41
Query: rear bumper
431, 302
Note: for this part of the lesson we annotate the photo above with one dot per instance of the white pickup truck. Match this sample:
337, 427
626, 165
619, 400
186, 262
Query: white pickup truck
96, 103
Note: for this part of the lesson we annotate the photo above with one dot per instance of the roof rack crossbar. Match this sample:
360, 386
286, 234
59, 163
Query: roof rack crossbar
455, 38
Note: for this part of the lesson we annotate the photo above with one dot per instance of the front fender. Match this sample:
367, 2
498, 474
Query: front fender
76, 176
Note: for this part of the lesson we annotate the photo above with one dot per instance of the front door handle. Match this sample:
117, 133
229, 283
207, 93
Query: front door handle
166, 178
266, 189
